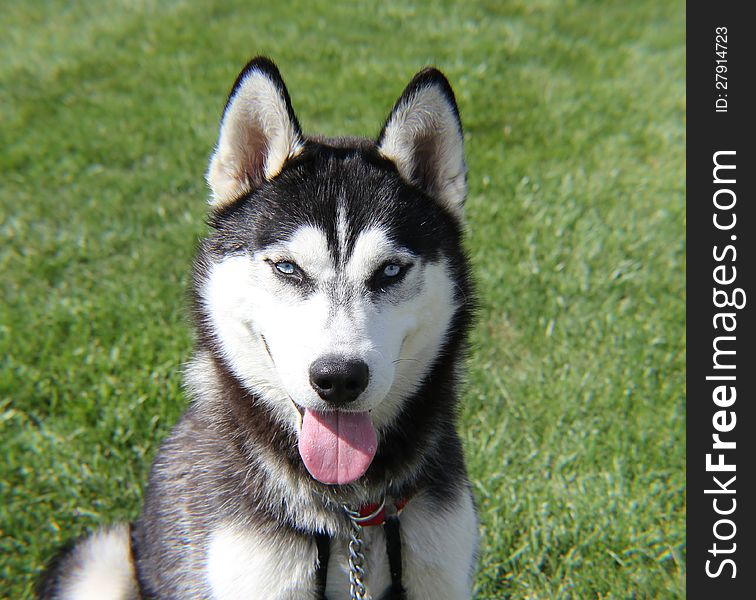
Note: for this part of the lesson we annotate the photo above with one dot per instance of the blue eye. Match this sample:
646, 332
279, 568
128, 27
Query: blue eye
388, 275
285, 267
392, 270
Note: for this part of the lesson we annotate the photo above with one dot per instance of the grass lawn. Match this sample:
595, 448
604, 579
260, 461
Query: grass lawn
574, 411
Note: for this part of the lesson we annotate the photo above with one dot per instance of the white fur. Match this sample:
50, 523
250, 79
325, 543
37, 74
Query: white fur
256, 113
107, 570
438, 553
244, 564
427, 116
342, 226
438, 550
397, 336
308, 248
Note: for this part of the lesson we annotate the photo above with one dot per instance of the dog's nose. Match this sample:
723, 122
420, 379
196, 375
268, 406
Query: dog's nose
337, 379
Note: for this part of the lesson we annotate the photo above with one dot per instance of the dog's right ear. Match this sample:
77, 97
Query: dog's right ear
258, 133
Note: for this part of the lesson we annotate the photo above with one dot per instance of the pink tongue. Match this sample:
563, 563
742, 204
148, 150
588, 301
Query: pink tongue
337, 447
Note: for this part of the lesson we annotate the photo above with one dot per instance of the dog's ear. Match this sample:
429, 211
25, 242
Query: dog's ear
423, 137
258, 133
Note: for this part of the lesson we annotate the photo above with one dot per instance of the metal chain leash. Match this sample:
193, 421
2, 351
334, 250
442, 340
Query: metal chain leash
357, 589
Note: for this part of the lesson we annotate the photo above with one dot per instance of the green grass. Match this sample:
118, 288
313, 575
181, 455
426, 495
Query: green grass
573, 417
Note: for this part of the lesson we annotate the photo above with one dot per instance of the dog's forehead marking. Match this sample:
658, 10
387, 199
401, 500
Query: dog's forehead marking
342, 230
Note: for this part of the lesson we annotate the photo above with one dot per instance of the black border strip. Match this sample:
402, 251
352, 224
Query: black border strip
708, 132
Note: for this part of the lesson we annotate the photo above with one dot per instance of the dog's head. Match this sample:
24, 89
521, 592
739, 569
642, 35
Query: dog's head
328, 284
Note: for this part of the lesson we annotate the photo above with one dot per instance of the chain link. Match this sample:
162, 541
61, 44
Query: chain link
357, 589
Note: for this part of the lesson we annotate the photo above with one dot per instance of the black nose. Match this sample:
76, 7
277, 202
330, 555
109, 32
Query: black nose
337, 379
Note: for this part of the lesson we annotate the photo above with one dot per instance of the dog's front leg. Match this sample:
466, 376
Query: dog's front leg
244, 563
439, 545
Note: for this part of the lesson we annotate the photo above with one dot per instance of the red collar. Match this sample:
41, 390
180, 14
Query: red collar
375, 513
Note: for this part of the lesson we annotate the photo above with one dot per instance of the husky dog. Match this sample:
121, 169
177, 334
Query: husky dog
332, 300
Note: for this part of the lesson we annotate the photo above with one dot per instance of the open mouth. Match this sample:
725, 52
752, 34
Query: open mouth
336, 446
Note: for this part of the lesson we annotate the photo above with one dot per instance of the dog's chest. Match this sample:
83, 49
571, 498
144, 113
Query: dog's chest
243, 564
437, 557
376, 566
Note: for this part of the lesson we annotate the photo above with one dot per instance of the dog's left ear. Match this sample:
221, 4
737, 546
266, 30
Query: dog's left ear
423, 137
258, 133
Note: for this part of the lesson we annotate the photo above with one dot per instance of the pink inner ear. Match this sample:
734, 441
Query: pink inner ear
258, 132
425, 164
252, 147
423, 137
